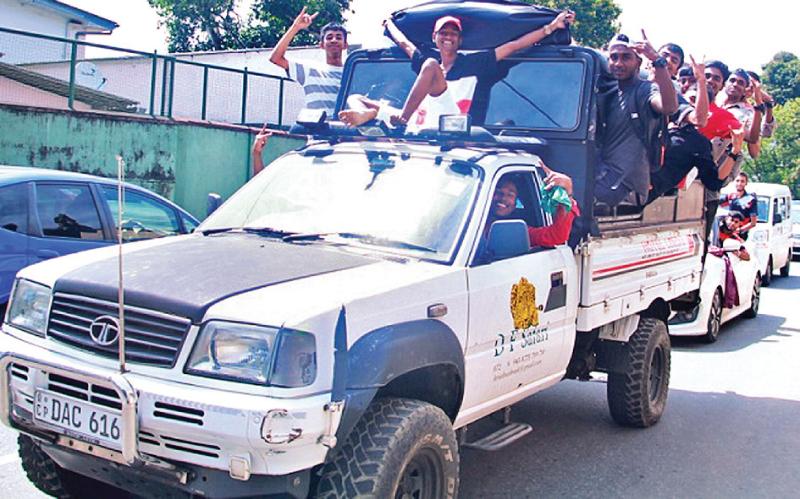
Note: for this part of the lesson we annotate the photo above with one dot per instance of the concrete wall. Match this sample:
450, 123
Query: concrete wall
181, 160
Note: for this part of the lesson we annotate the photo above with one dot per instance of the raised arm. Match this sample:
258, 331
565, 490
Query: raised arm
301, 22
399, 38
699, 116
561, 21
666, 102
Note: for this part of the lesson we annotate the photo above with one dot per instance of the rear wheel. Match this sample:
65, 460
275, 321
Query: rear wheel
755, 299
714, 318
638, 396
766, 279
785, 269
400, 448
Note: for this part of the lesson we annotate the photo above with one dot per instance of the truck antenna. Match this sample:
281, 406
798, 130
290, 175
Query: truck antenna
121, 290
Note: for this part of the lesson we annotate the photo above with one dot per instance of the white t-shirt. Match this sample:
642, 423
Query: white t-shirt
320, 83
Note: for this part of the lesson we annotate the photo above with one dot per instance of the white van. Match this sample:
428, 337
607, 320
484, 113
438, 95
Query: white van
773, 233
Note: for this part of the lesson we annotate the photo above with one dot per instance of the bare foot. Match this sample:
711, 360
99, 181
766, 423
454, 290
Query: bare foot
353, 117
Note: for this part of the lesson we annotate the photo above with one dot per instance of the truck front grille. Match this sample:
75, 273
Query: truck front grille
151, 337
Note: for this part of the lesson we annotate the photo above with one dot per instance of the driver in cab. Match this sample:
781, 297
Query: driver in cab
504, 207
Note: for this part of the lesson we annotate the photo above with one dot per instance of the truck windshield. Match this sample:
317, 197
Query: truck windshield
532, 94
405, 204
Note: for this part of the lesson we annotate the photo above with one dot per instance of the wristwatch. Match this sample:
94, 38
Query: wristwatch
769, 104
660, 63
760, 107
736, 156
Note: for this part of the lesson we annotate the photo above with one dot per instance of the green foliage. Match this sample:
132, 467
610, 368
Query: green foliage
271, 18
779, 160
596, 20
782, 77
198, 25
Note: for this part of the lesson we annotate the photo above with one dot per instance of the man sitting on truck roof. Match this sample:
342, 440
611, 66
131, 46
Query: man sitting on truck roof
632, 116
446, 79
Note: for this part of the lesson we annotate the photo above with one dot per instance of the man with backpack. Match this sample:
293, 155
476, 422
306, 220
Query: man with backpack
635, 112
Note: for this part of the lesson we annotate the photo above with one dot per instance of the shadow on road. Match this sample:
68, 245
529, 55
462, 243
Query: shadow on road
706, 445
784, 283
737, 334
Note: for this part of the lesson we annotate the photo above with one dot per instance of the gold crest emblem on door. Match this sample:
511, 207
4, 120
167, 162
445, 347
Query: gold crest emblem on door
523, 305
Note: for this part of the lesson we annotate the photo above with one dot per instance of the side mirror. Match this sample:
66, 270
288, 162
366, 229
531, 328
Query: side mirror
508, 238
777, 219
213, 202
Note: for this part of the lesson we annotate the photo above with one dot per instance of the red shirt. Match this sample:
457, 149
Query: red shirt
720, 123
558, 232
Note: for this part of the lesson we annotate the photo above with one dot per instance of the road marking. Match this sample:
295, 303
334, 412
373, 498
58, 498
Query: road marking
8, 459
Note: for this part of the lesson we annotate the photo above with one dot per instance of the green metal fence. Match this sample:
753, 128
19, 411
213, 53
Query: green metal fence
144, 83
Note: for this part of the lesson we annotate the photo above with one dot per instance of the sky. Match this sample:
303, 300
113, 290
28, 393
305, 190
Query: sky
742, 33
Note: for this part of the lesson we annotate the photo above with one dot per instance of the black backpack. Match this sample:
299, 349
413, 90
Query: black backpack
655, 139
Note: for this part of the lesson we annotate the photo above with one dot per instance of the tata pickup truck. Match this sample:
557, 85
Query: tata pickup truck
338, 324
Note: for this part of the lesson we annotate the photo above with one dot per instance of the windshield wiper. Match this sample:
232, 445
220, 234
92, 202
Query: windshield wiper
529, 101
209, 232
364, 238
268, 232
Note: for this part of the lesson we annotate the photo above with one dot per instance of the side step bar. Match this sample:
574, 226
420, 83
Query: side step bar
503, 437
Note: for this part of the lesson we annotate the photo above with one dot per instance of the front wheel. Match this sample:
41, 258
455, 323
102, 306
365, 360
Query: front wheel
785, 269
766, 279
400, 448
638, 396
755, 300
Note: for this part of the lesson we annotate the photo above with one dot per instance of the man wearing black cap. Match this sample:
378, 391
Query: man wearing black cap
446, 79
634, 110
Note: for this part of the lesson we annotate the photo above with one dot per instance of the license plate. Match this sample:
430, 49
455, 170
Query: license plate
77, 418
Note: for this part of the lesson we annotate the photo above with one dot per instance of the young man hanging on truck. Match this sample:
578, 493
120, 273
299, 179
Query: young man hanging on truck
633, 110
320, 81
446, 79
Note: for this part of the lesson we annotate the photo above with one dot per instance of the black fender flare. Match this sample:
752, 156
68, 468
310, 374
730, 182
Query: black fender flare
389, 352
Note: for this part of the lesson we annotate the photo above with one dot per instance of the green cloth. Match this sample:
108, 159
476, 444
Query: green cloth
553, 197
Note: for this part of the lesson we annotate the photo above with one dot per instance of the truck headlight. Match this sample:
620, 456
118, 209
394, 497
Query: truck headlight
29, 306
254, 354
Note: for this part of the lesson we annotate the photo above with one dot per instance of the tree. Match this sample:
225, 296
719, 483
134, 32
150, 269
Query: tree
782, 77
779, 160
271, 18
197, 25
596, 20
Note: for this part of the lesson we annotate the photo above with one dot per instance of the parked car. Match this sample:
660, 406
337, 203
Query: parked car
716, 305
795, 229
773, 233
49, 213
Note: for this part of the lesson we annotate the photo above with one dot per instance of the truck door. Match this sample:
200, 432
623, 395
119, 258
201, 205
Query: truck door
520, 331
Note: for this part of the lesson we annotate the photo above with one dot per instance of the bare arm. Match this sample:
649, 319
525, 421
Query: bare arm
563, 19
666, 102
301, 22
699, 116
754, 134
729, 163
258, 149
400, 39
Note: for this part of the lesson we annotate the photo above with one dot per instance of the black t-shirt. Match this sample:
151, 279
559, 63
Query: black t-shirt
481, 64
623, 151
747, 205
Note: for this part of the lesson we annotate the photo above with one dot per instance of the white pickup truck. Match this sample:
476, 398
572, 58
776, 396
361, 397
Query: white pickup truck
333, 325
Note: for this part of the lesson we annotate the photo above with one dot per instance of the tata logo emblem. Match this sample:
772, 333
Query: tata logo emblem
104, 330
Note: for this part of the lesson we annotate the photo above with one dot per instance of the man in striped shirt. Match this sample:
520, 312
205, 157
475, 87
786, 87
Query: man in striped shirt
320, 81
